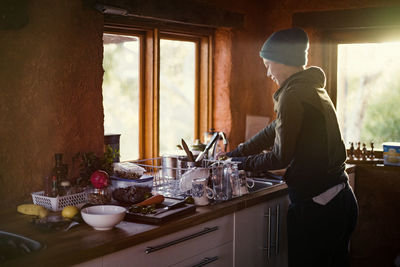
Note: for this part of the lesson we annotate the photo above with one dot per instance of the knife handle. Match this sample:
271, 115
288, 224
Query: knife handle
177, 205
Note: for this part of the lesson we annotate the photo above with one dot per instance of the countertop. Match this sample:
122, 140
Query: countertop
82, 243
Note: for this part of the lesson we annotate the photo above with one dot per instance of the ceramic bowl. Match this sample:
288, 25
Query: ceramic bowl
103, 217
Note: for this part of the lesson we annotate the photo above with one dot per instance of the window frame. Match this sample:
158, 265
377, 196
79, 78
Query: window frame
150, 34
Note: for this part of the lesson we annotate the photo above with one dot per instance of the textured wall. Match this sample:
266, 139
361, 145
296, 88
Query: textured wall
50, 93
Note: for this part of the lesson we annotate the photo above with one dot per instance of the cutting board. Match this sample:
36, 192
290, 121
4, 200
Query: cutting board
162, 217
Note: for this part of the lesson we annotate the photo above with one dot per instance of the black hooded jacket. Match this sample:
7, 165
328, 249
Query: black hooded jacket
305, 138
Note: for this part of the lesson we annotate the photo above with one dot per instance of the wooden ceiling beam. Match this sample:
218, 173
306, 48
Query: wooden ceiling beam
178, 11
349, 18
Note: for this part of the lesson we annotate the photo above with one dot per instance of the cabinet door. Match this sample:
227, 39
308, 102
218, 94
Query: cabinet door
249, 236
279, 250
260, 234
176, 247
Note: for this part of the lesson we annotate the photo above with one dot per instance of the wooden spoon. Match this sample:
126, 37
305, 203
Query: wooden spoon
188, 152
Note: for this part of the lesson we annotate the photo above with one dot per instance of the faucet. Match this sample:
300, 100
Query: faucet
224, 140
213, 144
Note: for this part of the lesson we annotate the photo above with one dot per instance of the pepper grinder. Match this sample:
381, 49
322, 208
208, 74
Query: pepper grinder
371, 153
351, 150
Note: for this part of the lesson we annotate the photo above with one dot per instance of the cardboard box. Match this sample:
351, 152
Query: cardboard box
391, 153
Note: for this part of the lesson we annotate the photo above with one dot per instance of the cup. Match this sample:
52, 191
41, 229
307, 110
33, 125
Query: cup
201, 193
243, 183
221, 181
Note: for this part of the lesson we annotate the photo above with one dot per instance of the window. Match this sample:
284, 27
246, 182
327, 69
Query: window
362, 67
368, 92
121, 91
177, 92
156, 87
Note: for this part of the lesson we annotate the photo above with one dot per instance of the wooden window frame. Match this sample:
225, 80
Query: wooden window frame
149, 80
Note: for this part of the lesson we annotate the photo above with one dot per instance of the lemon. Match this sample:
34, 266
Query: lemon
69, 212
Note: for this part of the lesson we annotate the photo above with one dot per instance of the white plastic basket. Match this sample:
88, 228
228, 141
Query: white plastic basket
59, 202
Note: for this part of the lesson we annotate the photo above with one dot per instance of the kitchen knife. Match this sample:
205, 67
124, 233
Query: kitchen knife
187, 150
171, 207
209, 145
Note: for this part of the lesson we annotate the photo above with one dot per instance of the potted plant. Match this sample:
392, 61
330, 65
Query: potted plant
89, 162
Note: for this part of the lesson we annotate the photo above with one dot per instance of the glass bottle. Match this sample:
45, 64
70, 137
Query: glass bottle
54, 187
47, 184
60, 170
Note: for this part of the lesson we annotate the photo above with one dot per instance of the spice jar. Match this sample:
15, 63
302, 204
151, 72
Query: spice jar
64, 188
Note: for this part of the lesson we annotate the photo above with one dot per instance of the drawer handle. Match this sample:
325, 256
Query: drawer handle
205, 261
277, 229
176, 241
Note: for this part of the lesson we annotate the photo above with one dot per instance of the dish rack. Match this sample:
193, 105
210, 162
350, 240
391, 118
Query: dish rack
165, 178
59, 202
163, 181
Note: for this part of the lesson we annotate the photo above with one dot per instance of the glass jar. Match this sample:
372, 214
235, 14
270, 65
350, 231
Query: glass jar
64, 188
99, 196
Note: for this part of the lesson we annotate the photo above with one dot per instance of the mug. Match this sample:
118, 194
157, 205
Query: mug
241, 184
201, 193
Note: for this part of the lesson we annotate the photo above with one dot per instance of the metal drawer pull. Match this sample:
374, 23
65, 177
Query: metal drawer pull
268, 248
171, 243
205, 261
277, 230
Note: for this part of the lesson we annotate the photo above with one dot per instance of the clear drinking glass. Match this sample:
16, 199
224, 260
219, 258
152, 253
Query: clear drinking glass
220, 178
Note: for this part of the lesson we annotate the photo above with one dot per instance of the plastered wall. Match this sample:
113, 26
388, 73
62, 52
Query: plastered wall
50, 93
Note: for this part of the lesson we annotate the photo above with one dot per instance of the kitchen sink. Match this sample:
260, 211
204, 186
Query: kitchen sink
261, 183
14, 246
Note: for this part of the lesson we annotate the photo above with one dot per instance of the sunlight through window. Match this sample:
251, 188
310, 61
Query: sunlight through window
368, 92
121, 92
177, 93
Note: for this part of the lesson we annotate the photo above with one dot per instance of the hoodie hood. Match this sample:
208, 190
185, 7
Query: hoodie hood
312, 77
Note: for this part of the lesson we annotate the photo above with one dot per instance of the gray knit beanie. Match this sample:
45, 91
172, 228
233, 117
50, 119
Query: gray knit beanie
288, 47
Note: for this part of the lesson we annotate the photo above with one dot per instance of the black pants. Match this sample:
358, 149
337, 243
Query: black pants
318, 235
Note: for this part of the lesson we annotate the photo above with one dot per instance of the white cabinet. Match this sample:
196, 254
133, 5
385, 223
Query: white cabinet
260, 234
208, 242
255, 236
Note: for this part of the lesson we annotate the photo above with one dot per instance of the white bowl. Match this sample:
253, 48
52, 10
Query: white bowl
103, 217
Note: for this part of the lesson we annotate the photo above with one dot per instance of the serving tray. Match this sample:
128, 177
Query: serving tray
162, 217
